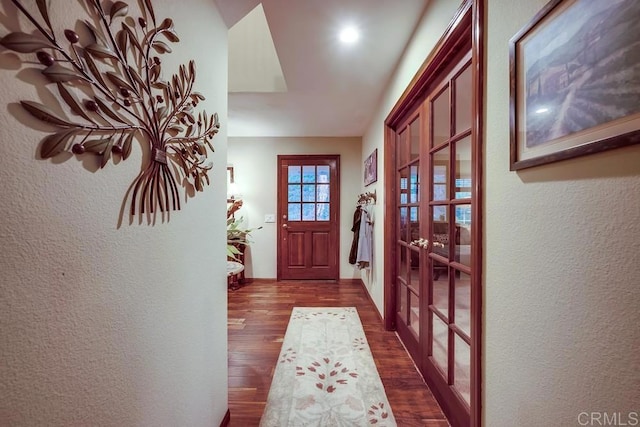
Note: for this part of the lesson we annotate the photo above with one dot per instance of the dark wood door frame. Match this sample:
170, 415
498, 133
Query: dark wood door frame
468, 23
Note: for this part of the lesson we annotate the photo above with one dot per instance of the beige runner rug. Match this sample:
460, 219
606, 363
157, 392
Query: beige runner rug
325, 375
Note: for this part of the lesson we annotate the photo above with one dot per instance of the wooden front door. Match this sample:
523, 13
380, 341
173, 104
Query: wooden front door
308, 220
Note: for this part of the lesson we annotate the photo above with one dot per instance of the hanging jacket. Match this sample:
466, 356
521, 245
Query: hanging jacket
356, 235
365, 241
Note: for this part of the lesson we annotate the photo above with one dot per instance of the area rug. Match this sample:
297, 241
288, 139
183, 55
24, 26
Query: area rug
325, 375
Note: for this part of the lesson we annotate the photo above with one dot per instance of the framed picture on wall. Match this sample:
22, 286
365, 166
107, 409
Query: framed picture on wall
575, 81
371, 168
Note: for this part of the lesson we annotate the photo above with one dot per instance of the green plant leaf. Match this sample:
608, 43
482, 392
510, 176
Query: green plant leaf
58, 73
24, 43
44, 113
72, 102
55, 144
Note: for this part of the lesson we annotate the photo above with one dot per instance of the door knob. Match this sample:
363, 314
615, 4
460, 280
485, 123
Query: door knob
284, 226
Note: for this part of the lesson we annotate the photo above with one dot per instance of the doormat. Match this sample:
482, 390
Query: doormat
325, 375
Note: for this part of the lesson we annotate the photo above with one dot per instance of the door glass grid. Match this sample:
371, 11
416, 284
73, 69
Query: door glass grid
308, 193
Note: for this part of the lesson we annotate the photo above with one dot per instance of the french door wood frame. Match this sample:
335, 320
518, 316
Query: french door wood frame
468, 23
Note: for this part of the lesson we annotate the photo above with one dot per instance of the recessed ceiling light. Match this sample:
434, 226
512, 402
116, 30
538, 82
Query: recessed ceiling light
349, 35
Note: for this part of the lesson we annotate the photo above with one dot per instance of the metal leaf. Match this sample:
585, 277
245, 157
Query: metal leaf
42, 7
171, 35
106, 154
97, 36
132, 36
126, 146
161, 47
100, 51
118, 9
122, 39
58, 73
94, 69
150, 9
137, 77
119, 82
166, 24
55, 144
109, 111
43, 113
23, 42
192, 69
72, 102
96, 146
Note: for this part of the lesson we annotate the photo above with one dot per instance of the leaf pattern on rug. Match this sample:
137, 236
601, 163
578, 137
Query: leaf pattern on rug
326, 375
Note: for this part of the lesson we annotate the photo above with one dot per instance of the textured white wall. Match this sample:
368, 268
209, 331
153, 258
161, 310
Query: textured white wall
255, 163
108, 325
432, 25
562, 270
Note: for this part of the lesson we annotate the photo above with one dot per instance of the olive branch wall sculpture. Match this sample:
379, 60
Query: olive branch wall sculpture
116, 68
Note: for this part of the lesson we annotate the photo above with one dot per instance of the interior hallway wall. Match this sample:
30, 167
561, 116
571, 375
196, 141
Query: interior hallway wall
255, 170
101, 324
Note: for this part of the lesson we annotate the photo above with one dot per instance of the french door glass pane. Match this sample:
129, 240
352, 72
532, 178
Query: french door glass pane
403, 268
440, 341
440, 237
404, 186
441, 119
462, 370
441, 174
294, 212
414, 313
440, 287
414, 270
308, 193
414, 220
402, 302
402, 149
414, 130
308, 174
463, 234
463, 302
294, 174
414, 185
404, 224
463, 169
463, 101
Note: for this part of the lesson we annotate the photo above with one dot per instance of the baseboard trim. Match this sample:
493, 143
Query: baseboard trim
366, 291
226, 420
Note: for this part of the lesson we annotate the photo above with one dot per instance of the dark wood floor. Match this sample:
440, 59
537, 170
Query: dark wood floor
258, 317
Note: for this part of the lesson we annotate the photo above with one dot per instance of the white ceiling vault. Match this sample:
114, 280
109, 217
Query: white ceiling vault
290, 76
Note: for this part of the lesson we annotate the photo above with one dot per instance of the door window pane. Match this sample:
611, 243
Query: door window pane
323, 173
308, 174
404, 224
404, 186
439, 348
308, 193
414, 130
294, 174
401, 148
414, 224
414, 185
441, 118
323, 192
294, 193
463, 168
463, 302
440, 287
308, 211
322, 211
402, 302
463, 101
440, 236
294, 212
462, 370
403, 268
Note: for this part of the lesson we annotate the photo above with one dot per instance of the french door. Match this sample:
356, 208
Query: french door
308, 222
433, 147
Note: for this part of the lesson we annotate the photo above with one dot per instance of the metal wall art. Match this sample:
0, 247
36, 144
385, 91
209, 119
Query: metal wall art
109, 80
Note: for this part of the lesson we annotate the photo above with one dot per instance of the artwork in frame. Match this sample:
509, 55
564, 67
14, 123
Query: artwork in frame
575, 81
371, 168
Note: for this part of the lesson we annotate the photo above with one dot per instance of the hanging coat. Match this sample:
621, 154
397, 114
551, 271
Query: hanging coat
365, 241
356, 235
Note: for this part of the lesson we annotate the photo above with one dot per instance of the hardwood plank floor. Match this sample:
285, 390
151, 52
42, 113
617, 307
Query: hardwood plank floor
258, 317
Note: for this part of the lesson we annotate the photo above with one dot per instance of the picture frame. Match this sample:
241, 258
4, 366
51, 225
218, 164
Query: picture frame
371, 168
567, 67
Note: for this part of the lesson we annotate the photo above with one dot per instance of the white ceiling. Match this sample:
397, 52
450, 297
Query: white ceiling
329, 89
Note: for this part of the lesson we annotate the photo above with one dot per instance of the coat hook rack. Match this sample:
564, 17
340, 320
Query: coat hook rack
367, 198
